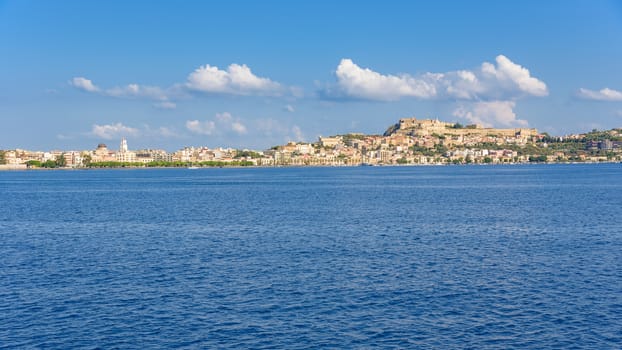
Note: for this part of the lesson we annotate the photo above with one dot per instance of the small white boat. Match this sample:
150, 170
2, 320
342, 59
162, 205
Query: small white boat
193, 167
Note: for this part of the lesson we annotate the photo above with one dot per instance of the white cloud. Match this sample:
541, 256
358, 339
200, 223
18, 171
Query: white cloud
223, 122
289, 108
227, 122
605, 94
135, 90
298, 136
202, 128
511, 76
118, 130
111, 131
84, 84
357, 82
224, 117
507, 80
491, 114
128, 91
237, 79
238, 128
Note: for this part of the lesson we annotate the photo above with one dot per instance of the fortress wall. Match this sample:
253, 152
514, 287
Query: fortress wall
431, 126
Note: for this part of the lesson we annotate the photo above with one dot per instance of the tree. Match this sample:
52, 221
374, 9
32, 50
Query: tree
546, 138
87, 160
440, 149
2, 158
60, 161
537, 159
245, 154
49, 164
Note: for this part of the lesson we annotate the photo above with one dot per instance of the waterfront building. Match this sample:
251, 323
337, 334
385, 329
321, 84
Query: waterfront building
102, 154
124, 155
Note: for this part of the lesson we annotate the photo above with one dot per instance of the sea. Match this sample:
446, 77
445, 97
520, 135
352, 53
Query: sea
436, 257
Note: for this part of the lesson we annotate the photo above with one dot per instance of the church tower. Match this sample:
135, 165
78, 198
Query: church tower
123, 147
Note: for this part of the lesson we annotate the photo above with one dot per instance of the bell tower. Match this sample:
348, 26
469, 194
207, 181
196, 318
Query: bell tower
123, 146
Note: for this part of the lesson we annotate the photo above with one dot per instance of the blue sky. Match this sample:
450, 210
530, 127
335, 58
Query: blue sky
253, 74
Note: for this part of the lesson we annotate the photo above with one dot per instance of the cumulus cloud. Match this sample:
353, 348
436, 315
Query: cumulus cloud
490, 113
128, 91
222, 123
354, 81
511, 75
237, 79
110, 131
202, 128
84, 84
605, 94
505, 80
118, 130
135, 90
238, 127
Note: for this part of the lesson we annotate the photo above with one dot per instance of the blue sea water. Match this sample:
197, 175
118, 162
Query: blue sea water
482, 257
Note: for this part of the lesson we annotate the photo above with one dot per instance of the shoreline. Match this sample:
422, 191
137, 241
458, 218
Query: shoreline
23, 167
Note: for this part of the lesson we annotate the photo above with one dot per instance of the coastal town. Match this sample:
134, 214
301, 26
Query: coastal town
410, 141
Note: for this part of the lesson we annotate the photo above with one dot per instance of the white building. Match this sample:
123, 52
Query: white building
124, 155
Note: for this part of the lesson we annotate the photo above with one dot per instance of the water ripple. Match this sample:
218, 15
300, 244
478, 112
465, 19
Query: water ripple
456, 257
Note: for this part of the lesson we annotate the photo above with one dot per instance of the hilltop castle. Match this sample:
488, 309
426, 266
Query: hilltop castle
427, 127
